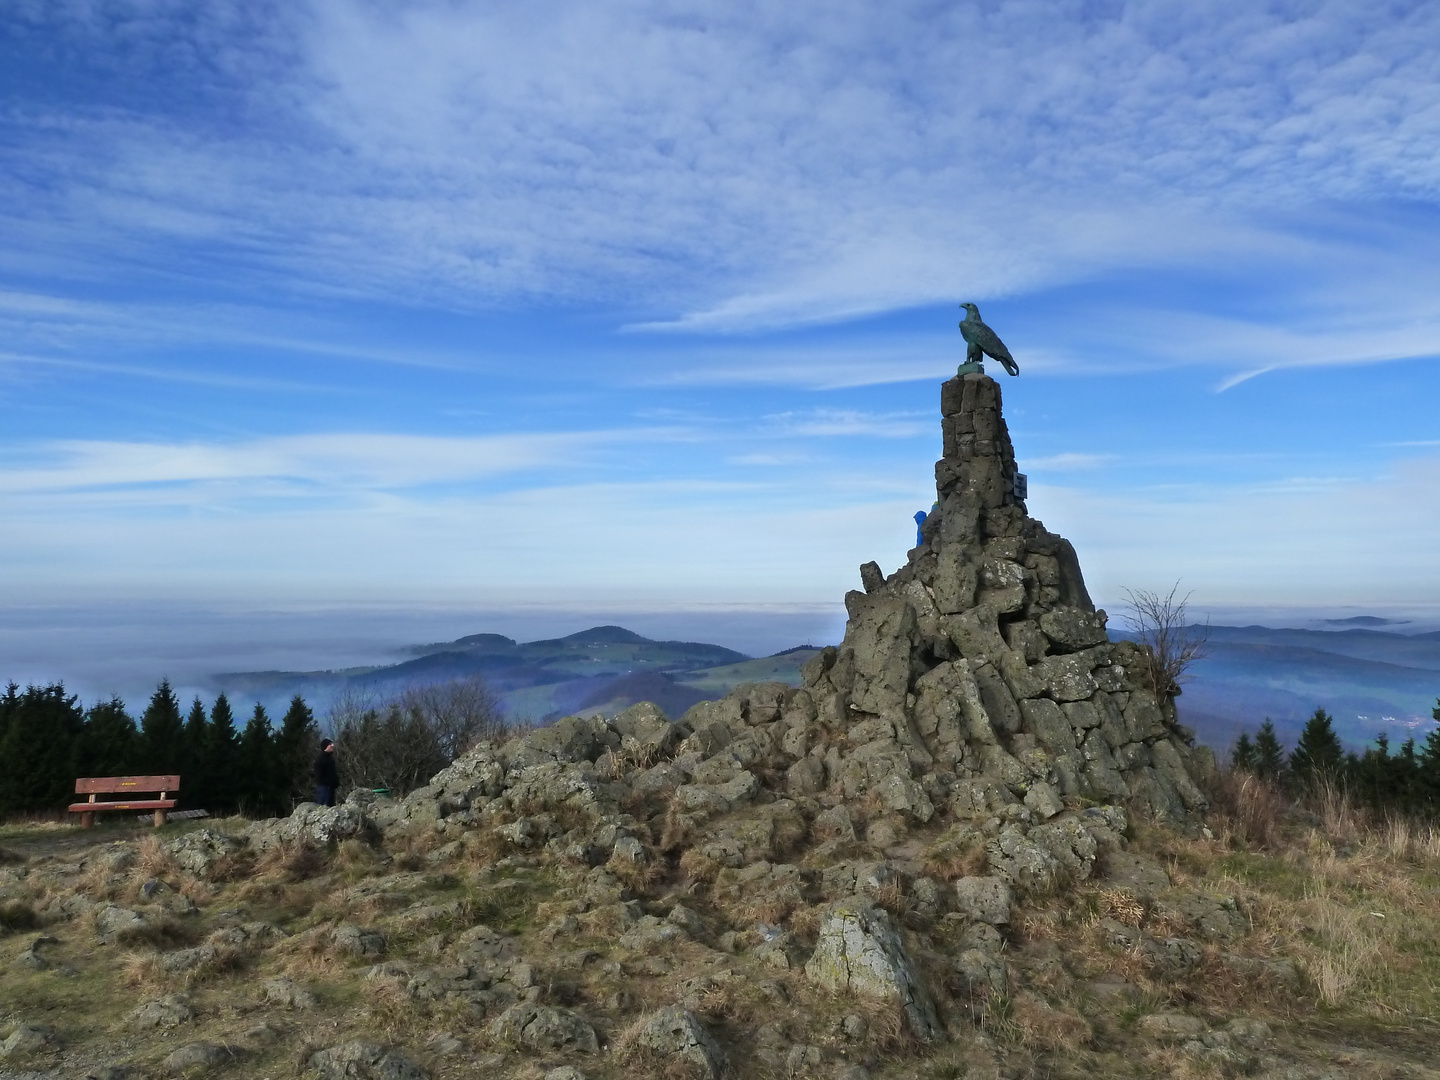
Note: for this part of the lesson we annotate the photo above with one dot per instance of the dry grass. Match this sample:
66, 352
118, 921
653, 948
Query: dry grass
162, 932
1246, 811
153, 859
1039, 1024
677, 828
954, 857
17, 916
640, 876
1122, 906
699, 867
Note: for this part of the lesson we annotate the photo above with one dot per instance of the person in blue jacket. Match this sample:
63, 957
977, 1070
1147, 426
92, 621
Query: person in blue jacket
920, 516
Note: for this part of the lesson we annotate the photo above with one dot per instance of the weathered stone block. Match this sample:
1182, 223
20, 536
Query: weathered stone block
1072, 628
860, 952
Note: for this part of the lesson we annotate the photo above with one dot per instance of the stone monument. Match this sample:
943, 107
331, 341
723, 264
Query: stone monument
984, 658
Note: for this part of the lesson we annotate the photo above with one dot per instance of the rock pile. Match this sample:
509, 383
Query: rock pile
983, 664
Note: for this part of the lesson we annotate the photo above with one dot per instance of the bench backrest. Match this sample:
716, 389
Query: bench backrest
88, 784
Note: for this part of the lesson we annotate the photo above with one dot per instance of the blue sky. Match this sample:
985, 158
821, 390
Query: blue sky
644, 306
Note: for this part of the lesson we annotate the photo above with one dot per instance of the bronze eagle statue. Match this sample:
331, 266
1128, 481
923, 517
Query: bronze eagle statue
982, 340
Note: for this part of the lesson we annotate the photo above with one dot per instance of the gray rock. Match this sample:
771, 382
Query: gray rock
188, 959
805, 777
677, 1033
356, 941
288, 994
1071, 629
982, 972
444, 1044
984, 899
1214, 918
310, 825
198, 1055
111, 920
360, 1059
860, 952
26, 1039
1043, 800
544, 1027
1171, 958
198, 851
172, 1010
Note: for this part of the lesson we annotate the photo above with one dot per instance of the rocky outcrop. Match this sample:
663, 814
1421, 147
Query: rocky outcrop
984, 657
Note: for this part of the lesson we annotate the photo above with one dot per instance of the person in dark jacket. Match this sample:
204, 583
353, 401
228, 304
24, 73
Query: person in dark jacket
327, 776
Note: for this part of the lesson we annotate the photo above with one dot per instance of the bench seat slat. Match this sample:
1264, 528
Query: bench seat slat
141, 804
87, 784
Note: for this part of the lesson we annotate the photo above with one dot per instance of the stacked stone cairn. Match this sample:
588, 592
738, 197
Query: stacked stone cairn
981, 672
975, 741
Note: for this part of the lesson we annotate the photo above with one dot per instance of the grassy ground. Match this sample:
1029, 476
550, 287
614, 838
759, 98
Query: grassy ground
1331, 945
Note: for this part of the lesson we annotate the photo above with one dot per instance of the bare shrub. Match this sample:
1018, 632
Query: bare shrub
460, 713
1161, 622
399, 743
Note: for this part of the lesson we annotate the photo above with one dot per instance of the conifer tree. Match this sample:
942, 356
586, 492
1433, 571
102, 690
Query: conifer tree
259, 791
110, 744
40, 734
1427, 780
1243, 755
1406, 777
295, 748
1318, 755
163, 733
219, 756
195, 781
1371, 773
1269, 754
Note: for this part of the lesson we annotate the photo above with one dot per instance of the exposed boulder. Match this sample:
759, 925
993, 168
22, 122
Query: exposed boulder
544, 1027
198, 851
677, 1033
860, 952
361, 1059
310, 825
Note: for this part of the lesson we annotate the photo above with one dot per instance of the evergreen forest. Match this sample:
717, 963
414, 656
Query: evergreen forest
225, 764
1402, 781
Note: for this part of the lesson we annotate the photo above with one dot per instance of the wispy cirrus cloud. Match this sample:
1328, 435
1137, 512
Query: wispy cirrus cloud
729, 170
851, 422
305, 463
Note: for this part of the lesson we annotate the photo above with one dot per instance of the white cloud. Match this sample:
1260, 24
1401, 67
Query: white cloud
1304, 541
850, 422
299, 464
726, 168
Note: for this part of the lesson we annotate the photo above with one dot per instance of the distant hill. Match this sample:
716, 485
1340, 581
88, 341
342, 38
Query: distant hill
1370, 680
604, 668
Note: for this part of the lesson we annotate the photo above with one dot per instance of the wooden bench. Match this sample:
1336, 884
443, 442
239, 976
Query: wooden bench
124, 785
